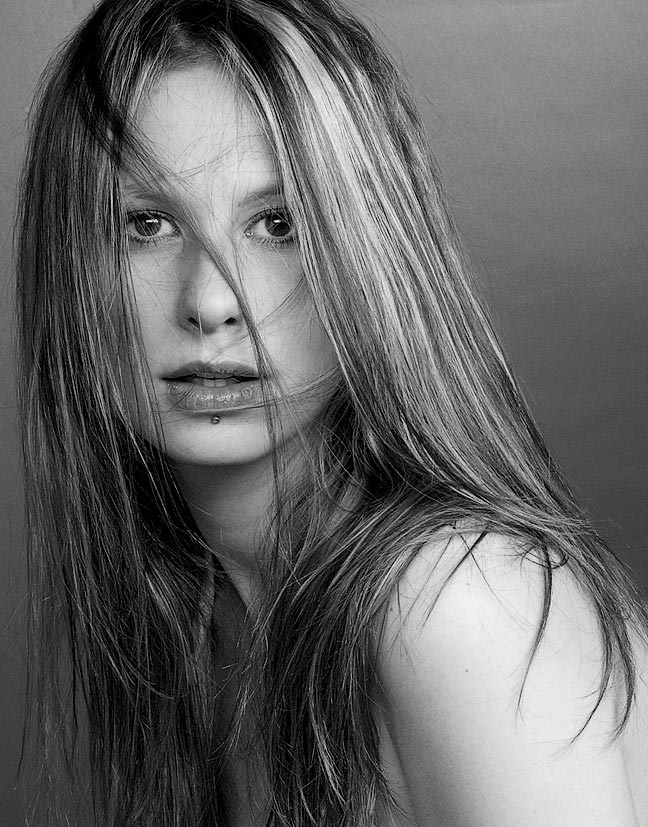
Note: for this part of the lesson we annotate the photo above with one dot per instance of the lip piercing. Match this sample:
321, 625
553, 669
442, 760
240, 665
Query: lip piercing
215, 419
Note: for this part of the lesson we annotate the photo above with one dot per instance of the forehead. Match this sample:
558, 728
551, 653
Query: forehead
196, 121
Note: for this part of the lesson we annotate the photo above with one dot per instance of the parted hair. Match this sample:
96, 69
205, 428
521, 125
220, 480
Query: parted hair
426, 430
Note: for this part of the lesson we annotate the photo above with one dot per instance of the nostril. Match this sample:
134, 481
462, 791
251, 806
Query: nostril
209, 322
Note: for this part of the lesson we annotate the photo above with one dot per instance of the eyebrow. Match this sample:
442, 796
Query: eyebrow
263, 194
145, 191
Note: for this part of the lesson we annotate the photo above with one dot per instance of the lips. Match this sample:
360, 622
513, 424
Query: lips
212, 381
228, 371
210, 387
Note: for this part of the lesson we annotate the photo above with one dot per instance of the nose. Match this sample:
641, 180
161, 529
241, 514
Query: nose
207, 301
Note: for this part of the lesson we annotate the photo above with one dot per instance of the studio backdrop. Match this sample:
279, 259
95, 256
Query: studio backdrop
538, 115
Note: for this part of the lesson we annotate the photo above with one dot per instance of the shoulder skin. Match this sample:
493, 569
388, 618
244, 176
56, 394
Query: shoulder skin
478, 745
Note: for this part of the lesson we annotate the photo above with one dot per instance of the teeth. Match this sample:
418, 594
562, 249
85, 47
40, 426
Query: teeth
208, 382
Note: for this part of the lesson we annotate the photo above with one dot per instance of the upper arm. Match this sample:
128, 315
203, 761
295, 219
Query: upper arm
472, 749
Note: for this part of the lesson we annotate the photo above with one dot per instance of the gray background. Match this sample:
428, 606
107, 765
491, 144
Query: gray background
538, 116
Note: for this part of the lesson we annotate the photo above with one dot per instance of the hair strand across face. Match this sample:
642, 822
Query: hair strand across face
426, 430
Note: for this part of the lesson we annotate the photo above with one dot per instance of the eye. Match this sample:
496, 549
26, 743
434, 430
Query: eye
149, 227
273, 227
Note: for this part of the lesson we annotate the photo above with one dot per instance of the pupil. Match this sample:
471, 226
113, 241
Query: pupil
147, 225
277, 226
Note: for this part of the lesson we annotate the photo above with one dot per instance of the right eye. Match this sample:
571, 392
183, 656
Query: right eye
150, 227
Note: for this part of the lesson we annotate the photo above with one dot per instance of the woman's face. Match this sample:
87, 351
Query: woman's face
197, 345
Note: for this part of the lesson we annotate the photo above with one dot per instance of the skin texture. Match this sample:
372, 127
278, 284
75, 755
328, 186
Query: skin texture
222, 175
456, 747
460, 745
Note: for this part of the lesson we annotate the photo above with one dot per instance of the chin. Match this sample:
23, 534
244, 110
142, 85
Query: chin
239, 438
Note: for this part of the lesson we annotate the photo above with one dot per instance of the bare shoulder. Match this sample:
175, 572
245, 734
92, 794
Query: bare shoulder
461, 691
469, 588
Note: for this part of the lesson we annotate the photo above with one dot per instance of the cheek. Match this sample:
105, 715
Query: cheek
140, 400
153, 301
313, 369
139, 360
303, 342
322, 353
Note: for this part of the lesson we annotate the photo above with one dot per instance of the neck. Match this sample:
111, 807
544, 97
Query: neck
230, 505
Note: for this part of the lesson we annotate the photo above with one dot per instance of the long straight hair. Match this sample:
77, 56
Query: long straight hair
425, 431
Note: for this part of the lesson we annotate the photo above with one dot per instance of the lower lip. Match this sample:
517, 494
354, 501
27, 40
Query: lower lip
189, 397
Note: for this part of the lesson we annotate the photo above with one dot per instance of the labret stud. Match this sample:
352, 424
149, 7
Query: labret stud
215, 419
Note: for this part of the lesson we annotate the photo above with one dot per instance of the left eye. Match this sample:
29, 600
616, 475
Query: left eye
147, 226
272, 227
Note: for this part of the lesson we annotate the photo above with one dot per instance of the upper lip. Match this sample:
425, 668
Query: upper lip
217, 369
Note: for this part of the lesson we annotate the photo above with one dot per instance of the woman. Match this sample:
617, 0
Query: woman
299, 553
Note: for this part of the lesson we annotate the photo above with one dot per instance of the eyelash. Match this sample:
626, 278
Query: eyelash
143, 240
270, 242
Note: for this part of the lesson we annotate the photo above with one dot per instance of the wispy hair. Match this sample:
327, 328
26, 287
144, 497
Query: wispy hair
426, 429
